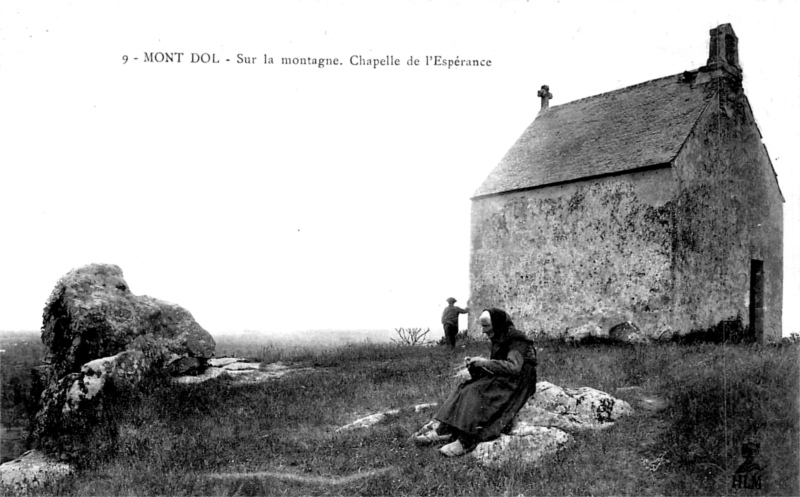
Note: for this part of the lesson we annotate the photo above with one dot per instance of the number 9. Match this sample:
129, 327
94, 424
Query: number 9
124, 59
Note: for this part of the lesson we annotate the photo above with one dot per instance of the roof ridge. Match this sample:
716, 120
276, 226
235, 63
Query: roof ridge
618, 90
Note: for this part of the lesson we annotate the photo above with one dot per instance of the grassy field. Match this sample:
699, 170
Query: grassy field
279, 438
20, 352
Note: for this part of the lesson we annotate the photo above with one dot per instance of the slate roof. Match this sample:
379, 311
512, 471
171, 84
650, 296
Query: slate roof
626, 129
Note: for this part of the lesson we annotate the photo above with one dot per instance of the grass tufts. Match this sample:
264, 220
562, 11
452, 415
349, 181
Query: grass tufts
280, 438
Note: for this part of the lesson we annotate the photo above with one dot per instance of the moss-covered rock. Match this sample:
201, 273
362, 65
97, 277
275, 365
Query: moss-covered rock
92, 313
103, 339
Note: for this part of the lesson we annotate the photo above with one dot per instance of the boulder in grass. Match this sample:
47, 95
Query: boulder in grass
92, 313
99, 334
526, 445
30, 471
542, 427
571, 409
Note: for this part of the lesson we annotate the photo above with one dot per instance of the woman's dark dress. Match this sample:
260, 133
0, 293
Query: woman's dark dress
485, 405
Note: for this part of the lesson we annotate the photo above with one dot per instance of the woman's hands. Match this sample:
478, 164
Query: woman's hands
470, 369
476, 361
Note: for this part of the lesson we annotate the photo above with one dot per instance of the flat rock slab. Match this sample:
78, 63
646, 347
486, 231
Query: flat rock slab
373, 419
208, 374
218, 362
651, 403
368, 421
634, 389
242, 366
262, 376
31, 470
242, 371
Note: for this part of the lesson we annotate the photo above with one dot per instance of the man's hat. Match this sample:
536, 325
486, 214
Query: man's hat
451, 300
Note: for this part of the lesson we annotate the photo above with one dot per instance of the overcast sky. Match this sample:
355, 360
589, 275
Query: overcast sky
288, 198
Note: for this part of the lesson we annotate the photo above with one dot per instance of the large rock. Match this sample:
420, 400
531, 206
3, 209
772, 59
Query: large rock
30, 471
628, 332
596, 324
99, 334
92, 313
571, 409
604, 326
527, 445
542, 427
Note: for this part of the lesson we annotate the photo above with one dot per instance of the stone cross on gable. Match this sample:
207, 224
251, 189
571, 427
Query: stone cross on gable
546, 96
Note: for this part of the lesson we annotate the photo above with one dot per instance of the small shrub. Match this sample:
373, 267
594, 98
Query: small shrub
411, 336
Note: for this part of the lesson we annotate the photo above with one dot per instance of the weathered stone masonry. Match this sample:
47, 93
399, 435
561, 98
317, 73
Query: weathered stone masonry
586, 250
730, 212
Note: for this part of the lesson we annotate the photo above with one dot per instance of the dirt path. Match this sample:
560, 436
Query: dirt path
318, 480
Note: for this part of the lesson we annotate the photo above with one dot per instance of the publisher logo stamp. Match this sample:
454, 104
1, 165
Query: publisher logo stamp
749, 474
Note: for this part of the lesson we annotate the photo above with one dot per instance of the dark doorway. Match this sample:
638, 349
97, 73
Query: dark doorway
756, 299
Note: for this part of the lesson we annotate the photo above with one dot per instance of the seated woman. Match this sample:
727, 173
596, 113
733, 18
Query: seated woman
482, 407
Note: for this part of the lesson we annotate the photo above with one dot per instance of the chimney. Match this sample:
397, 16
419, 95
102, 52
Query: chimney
723, 51
545, 95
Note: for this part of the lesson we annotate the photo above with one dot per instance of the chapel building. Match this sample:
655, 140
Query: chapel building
654, 206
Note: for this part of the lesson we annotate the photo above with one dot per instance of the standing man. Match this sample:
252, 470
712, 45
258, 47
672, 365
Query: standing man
450, 321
